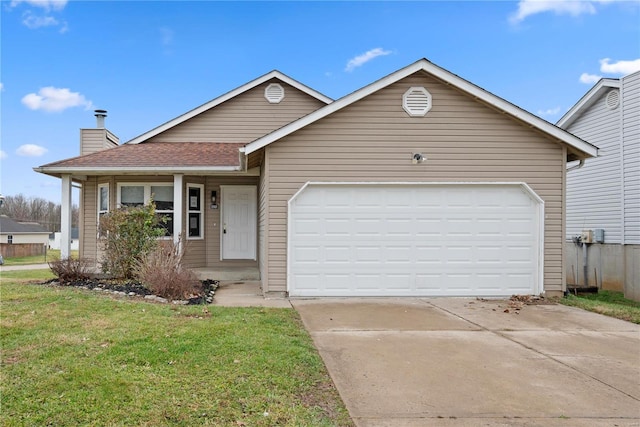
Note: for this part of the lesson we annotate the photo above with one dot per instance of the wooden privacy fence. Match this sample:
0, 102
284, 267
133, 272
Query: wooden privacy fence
16, 250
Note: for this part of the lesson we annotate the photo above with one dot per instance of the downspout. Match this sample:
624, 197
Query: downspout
578, 166
584, 264
243, 159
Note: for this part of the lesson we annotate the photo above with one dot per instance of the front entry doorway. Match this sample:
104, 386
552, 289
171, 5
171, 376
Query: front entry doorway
239, 221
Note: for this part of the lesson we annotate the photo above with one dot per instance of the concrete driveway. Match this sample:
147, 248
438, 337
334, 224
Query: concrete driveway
467, 362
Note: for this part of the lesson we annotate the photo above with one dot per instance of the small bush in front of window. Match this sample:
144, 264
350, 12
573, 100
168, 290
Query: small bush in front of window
70, 269
162, 272
127, 235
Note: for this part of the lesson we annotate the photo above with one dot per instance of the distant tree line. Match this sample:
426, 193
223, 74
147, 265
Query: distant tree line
38, 210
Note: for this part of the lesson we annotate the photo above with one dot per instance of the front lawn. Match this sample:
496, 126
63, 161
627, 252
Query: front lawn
51, 255
73, 357
609, 303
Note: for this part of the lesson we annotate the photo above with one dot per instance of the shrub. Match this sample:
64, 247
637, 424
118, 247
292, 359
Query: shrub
161, 271
127, 236
70, 269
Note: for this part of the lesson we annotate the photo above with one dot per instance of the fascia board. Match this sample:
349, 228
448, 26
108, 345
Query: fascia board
587, 101
447, 77
136, 169
225, 97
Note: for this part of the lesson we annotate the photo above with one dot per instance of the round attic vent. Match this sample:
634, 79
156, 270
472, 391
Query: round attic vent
416, 101
613, 99
274, 93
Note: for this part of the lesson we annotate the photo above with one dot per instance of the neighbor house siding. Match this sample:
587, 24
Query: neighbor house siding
373, 140
631, 160
243, 118
594, 191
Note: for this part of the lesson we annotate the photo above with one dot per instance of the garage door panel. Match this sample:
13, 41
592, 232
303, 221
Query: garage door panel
414, 240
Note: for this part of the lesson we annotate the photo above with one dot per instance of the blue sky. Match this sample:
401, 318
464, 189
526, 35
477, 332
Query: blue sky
147, 62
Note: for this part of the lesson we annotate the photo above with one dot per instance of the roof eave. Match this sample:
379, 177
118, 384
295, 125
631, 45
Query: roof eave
587, 100
137, 170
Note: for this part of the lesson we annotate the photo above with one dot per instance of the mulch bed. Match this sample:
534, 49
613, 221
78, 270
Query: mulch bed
137, 289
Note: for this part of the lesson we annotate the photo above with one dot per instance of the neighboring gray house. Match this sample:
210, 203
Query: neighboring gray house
604, 194
14, 232
18, 239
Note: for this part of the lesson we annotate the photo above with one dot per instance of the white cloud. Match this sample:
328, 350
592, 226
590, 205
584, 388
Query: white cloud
549, 112
52, 99
1, 86
365, 57
44, 4
167, 36
559, 7
32, 21
620, 67
31, 150
589, 78
3, 154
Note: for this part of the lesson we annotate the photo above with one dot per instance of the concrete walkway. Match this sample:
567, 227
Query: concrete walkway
466, 362
23, 267
245, 294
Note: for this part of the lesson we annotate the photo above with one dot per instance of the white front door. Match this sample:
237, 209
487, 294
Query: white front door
239, 217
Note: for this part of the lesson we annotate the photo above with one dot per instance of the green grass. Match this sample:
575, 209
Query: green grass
609, 303
37, 259
26, 275
72, 357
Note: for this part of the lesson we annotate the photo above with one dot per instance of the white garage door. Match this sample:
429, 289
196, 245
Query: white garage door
372, 239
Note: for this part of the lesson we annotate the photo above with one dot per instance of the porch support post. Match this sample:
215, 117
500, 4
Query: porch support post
177, 207
65, 218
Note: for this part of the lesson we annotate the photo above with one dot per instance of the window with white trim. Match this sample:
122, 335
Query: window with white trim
103, 202
195, 211
134, 194
10, 239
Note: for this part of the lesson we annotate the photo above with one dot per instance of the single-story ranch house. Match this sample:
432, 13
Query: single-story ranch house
419, 184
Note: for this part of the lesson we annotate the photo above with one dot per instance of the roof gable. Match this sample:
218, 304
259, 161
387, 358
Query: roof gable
590, 98
583, 147
227, 96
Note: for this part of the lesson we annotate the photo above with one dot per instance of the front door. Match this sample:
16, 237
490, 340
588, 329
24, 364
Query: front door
238, 204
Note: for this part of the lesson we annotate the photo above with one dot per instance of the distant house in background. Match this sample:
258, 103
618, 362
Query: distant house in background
54, 239
604, 194
22, 238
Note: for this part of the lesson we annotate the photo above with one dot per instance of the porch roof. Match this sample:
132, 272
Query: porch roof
152, 157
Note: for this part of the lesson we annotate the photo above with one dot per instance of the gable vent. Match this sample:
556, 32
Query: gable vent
613, 99
416, 101
274, 93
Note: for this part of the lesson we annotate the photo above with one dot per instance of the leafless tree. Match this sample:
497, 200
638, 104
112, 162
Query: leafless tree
36, 209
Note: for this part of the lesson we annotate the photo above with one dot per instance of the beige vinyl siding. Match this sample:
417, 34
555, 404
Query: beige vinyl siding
373, 140
263, 219
243, 118
631, 157
593, 191
88, 235
93, 140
